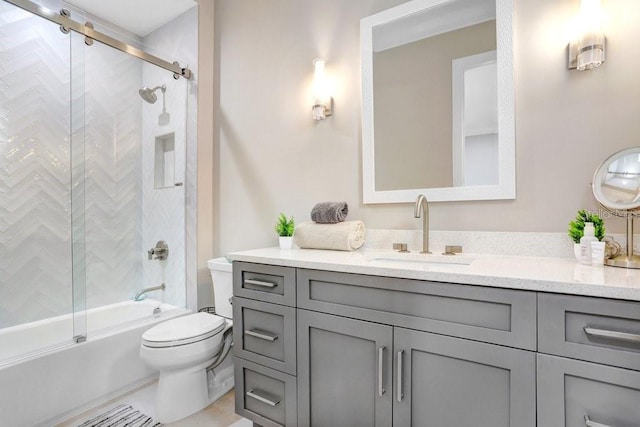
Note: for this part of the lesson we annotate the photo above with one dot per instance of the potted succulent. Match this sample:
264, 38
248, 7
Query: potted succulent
576, 229
285, 227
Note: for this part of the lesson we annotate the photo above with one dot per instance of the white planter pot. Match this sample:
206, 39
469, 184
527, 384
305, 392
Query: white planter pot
285, 242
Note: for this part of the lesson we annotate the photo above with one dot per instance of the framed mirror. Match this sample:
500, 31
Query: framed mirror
437, 102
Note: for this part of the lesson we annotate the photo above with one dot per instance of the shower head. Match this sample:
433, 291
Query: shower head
148, 94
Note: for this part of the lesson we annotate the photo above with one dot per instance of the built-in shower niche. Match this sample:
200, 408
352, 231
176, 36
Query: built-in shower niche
165, 161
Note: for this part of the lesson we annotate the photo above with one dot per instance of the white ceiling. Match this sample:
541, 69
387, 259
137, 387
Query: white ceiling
136, 16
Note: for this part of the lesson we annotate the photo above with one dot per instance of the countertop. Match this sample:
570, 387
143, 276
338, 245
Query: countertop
544, 274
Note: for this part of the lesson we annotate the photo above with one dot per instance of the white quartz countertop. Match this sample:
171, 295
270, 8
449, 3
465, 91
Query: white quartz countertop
545, 274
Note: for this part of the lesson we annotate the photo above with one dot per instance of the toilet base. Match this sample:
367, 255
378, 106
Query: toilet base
184, 392
181, 393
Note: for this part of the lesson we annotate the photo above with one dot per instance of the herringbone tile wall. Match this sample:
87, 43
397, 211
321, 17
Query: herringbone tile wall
164, 213
113, 178
72, 118
35, 175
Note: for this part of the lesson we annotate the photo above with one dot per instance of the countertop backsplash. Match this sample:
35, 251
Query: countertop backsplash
482, 242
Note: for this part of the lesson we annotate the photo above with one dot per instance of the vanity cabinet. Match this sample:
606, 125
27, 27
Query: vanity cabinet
361, 350
349, 373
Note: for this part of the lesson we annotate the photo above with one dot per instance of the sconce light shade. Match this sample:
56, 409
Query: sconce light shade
321, 98
587, 50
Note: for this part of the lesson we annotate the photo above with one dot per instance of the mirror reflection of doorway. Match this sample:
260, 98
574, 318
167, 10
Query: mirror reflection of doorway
475, 120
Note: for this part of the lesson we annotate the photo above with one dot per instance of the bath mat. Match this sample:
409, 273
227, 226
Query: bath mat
121, 416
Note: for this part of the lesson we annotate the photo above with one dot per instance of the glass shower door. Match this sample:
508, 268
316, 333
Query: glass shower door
133, 171
35, 185
91, 177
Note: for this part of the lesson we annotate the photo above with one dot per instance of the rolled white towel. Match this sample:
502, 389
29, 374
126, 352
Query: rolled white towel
343, 236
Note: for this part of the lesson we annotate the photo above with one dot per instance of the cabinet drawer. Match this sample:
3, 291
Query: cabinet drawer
593, 329
572, 392
263, 395
268, 283
499, 316
265, 333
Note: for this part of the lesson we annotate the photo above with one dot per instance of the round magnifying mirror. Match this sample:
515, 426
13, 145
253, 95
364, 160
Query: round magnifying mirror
616, 183
616, 187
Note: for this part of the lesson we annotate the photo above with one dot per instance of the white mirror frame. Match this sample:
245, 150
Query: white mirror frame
506, 187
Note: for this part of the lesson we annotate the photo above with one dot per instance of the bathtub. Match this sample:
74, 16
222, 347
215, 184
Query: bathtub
45, 376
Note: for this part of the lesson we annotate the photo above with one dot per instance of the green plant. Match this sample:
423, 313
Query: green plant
284, 227
576, 227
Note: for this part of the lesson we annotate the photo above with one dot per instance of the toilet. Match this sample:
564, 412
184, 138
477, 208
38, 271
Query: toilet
185, 348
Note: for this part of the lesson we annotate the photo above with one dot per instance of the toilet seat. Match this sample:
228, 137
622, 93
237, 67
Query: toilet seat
183, 330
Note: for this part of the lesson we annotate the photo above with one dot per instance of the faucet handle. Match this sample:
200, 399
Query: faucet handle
452, 250
400, 247
160, 251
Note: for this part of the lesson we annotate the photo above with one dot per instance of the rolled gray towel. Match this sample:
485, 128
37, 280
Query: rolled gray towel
329, 212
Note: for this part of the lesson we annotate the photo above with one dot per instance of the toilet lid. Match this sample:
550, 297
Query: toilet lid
184, 330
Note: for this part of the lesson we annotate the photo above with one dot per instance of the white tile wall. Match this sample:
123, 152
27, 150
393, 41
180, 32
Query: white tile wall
113, 133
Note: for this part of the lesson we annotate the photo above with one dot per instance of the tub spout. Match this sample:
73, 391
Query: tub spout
139, 295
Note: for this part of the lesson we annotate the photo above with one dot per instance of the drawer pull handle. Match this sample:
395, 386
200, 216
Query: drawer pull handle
603, 333
260, 334
399, 391
260, 283
589, 423
380, 369
256, 396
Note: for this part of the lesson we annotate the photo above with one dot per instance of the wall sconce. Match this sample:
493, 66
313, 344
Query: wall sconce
322, 101
587, 49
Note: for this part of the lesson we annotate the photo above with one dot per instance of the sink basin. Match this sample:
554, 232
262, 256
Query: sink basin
415, 257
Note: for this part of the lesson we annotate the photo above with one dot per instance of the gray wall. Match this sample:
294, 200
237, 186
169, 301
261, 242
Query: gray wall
273, 157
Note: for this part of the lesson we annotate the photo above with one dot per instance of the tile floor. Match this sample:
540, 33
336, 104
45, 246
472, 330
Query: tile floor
219, 414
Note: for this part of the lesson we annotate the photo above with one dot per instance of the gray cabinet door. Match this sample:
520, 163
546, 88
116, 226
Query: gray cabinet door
572, 393
444, 381
344, 371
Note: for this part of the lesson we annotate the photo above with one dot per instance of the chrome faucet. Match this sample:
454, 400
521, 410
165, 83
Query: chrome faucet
139, 295
422, 203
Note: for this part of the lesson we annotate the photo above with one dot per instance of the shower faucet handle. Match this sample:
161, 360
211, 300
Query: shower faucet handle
159, 252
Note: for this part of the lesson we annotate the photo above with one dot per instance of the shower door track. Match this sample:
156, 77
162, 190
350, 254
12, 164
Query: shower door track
86, 29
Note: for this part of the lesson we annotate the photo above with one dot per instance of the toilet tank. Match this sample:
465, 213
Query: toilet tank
222, 278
